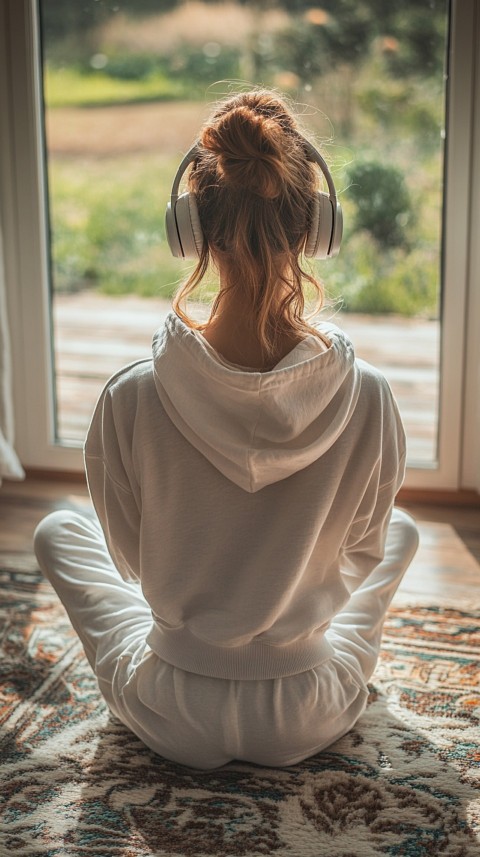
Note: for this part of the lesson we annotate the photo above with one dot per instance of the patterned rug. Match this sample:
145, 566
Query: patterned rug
75, 782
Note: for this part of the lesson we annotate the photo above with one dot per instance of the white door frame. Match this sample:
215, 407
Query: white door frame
470, 474
24, 226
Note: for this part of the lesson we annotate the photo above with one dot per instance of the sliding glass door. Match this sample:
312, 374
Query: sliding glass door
120, 94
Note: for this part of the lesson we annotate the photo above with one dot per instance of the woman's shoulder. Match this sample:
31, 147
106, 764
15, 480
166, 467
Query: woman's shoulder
129, 377
123, 391
125, 388
377, 402
373, 379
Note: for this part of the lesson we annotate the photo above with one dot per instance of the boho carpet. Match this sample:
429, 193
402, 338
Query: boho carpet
75, 782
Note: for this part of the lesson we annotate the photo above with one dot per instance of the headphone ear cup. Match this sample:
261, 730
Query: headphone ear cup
184, 230
172, 232
319, 237
337, 232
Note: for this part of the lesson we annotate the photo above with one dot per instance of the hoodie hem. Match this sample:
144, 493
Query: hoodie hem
255, 661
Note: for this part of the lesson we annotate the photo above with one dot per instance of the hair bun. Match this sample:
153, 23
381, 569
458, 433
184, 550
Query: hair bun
248, 148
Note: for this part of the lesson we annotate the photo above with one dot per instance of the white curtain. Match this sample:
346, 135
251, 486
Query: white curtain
10, 467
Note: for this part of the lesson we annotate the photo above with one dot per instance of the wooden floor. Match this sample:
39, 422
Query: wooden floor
96, 335
445, 571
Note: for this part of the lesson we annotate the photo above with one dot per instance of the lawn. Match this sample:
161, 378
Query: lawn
108, 225
67, 87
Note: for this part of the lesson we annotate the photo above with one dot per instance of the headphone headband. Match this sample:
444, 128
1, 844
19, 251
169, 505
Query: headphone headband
184, 231
316, 157
189, 157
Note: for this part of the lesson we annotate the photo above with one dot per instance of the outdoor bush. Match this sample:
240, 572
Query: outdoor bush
401, 106
127, 66
365, 278
382, 202
414, 278
203, 65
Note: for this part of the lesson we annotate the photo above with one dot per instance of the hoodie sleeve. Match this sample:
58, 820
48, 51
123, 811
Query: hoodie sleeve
364, 546
113, 490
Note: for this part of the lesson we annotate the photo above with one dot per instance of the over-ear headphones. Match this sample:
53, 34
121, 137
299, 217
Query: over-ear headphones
184, 230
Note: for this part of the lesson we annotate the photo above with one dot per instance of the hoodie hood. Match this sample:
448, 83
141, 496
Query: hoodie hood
256, 427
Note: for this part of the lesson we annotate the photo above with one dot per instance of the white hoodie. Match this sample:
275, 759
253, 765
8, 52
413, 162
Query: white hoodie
249, 505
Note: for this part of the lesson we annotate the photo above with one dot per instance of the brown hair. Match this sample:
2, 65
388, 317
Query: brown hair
255, 189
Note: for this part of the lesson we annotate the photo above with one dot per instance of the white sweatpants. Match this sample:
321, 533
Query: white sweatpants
206, 722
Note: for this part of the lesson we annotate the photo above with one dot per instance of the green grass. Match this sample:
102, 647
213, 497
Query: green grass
67, 87
108, 225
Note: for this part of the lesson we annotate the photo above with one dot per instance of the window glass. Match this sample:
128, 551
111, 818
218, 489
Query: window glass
126, 87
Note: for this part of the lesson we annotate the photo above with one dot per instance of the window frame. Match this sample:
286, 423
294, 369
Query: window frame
24, 225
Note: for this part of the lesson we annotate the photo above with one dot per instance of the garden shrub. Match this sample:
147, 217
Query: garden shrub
382, 203
401, 106
368, 279
127, 66
197, 65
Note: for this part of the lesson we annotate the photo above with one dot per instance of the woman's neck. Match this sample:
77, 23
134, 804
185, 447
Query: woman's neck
231, 334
